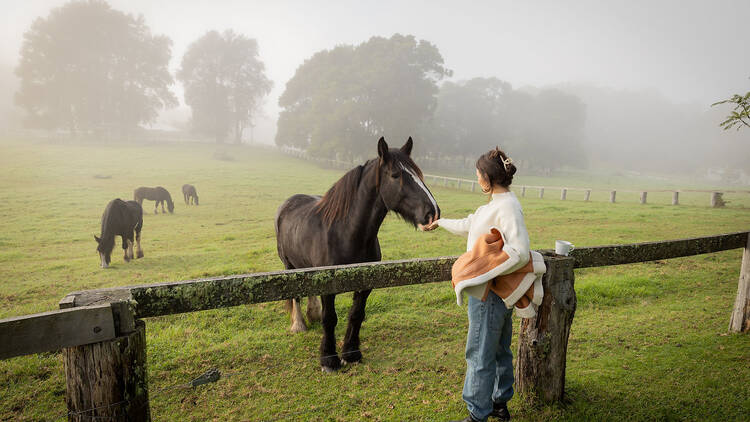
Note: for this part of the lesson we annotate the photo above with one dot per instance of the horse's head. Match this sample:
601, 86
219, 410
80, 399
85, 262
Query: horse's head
170, 206
105, 250
196, 199
402, 187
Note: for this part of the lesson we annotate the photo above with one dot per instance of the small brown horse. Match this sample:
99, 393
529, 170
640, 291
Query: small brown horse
190, 194
158, 194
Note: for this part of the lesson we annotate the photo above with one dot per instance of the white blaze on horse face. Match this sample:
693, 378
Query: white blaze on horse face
424, 188
104, 260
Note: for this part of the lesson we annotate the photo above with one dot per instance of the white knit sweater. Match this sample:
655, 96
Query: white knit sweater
502, 212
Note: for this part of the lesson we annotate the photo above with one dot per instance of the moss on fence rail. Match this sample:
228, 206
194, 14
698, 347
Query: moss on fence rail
599, 256
219, 292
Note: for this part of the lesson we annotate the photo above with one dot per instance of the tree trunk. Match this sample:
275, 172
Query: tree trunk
543, 340
740, 320
107, 381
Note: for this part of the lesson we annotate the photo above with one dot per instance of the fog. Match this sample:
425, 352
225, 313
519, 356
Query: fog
646, 72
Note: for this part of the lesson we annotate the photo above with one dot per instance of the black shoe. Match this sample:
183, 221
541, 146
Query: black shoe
467, 419
500, 411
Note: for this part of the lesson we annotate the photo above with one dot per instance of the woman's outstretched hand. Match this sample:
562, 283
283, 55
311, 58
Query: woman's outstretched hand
432, 225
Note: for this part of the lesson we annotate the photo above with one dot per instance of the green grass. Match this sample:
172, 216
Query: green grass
648, 341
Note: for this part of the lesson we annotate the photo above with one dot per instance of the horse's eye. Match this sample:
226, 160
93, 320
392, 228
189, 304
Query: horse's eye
396, 175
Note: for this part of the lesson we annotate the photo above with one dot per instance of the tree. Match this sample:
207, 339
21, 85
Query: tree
88, 67
543, 130
740, 116
341, 99
224, 83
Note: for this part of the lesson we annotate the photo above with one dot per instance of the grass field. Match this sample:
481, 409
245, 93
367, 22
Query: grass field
648, 342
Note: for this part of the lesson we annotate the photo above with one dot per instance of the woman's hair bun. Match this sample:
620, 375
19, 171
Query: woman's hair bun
497, 167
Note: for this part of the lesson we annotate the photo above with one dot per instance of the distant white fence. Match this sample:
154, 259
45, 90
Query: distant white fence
716, 197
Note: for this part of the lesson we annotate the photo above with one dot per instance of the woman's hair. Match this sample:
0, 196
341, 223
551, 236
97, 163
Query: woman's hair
496, 167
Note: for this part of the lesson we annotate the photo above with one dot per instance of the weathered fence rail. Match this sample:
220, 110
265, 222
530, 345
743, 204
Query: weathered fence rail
103, 338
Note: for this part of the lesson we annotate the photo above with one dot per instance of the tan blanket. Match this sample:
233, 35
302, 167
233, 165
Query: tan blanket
488, 267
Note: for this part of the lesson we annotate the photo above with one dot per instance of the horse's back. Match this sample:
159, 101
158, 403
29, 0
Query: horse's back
120, 216
298, 230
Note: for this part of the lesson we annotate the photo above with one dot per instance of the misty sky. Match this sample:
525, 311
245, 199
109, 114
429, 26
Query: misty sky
689, 51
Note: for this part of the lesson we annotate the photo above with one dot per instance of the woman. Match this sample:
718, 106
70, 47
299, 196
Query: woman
489, 374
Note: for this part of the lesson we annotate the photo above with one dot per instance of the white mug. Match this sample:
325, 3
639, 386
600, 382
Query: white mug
563, 247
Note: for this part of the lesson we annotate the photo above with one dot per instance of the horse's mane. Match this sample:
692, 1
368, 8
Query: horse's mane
337, 201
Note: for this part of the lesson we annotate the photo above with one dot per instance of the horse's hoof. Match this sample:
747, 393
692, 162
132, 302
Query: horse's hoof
354, 356
298, 328
327, 369
330, 363
126, 258
140, 254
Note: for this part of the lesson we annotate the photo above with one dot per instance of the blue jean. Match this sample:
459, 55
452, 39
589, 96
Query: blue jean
489, 361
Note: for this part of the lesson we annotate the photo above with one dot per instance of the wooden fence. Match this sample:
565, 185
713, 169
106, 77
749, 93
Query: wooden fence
716, 197
102, 334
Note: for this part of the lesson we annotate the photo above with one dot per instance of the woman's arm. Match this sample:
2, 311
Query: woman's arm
513, 228
459, 226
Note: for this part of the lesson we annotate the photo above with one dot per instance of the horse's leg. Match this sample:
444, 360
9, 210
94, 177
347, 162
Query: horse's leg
314, 310
138, 250
329, 359
350, 351
298, 322
156, 207
129, 252
186, 199
125, 249
162, 207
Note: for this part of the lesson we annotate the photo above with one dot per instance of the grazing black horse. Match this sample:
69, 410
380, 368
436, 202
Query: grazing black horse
158, 194
190, 194
120, 218
342, 228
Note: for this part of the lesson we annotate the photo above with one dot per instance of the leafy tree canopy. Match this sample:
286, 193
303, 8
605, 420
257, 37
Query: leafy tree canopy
225, 82
87, 67
341, 99
740, 115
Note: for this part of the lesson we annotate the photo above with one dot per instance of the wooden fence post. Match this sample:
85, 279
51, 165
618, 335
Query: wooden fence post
612, 196
543, 340
523, 191
541, 193
108, 380
445, 181
643, 197
676, 198
473, 186
587, 196
459, 184
740, 320
563, 193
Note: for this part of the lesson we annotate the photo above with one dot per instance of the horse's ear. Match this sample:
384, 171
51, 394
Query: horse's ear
383, 149
97, 239
406, 149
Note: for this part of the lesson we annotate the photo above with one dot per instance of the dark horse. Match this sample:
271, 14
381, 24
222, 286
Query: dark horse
342, 228
188, 191
120, 218
158, 194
